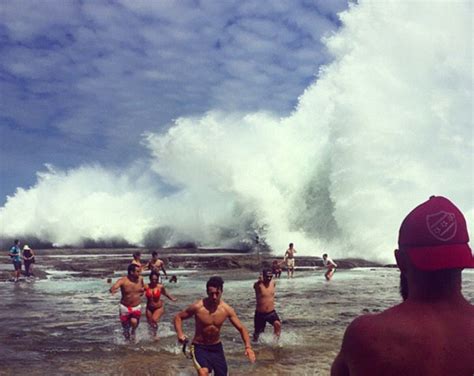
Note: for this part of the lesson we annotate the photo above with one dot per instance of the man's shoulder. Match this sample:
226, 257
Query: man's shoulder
363, 329
226, 307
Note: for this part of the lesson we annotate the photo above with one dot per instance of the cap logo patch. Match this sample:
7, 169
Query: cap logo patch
442, 225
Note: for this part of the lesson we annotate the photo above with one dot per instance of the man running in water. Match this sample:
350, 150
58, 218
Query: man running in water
290, 260
155, 264
265, 309
210, 313
132, 288
15, 256
432, 331
330, 266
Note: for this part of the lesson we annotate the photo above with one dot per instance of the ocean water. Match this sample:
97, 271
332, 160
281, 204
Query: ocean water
69, 326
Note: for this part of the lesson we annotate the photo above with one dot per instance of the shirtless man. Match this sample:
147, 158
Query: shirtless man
330, 266
155, 264
265, 309
210, 313
137, 260
290, 260
432, 331
132, 288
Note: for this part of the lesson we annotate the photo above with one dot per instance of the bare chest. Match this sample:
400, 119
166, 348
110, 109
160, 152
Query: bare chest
207, 318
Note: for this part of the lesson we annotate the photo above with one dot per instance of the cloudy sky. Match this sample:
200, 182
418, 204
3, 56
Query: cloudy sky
161, 123
81, 81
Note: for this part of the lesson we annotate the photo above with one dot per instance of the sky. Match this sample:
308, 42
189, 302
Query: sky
81, 81
159, 123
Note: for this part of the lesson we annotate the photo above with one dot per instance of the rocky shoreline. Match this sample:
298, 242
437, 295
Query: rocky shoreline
101, 264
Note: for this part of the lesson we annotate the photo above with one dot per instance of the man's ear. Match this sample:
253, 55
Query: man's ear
401, 259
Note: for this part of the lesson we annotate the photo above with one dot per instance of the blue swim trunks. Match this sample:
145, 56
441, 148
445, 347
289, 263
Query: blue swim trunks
211, 357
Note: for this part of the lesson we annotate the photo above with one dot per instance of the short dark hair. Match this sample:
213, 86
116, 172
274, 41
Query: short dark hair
153, 273
16, 241
325, 255
154, 253
137, 254
216, 282
266, 271
132, 268
291, 244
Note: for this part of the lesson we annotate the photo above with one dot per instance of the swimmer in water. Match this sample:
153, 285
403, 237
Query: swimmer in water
155, 307
210, 314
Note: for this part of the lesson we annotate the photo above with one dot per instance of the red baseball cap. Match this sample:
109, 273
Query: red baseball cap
435, 237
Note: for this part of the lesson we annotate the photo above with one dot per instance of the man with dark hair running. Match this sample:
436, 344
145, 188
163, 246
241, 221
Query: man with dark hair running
432, 331
132, 288
265, 309
210, 314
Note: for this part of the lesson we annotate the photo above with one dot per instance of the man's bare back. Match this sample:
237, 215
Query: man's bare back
432, 331
410, 339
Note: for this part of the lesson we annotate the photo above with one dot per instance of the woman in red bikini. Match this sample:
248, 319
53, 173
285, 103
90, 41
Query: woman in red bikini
155, 307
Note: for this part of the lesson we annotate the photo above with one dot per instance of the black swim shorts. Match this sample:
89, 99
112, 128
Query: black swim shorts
260, 319
211, 357
17, 265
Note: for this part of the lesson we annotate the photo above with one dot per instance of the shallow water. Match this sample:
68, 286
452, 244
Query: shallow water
69, 326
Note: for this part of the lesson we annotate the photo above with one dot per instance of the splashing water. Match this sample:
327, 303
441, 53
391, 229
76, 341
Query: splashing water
384, 126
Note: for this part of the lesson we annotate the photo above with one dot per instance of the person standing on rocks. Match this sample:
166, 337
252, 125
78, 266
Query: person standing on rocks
265, 307
15, 256
432, 331
28, 260
290, 260
132, 289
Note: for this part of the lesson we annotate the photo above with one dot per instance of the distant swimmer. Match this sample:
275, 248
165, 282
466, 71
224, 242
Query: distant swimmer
210, 314
28, 260
15, 257
290, 260
432, 331
276, 268
330, 266
137, 260
157, 265
132, 288
155, 306
265, 308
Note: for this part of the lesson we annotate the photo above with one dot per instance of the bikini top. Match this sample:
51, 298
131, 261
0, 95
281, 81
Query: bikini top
149, 293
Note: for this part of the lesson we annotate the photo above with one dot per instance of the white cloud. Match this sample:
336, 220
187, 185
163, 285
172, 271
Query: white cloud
386, 124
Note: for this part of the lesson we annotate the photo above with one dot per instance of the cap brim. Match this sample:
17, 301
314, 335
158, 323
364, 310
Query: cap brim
440, 257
